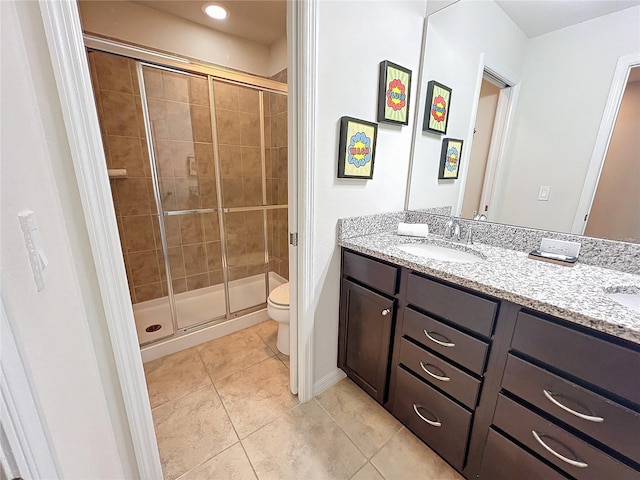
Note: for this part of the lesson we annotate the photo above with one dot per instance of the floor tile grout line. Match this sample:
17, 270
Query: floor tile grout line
181, 397
342, 430
249, 459
205, 461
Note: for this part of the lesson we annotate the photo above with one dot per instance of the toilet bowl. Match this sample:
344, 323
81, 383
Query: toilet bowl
278, 310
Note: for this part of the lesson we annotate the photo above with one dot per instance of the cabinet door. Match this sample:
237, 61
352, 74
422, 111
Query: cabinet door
365, 335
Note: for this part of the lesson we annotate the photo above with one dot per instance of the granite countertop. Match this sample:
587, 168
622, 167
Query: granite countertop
576, 294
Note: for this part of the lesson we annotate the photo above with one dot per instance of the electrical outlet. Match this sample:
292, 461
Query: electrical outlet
561, 247
543, 193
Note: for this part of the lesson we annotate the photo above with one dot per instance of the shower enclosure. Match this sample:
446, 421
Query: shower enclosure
198, 169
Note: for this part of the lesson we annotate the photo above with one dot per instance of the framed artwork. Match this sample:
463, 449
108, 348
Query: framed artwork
393, 93
357, 148
450, 157
436, 112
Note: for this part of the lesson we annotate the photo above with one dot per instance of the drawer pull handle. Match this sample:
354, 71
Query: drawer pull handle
435, 340
385, 312
575, 463
549, 396
430, 422
442, 378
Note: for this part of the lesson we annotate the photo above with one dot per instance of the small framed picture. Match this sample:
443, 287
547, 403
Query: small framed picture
393, 93
450, 157
357, 148
436, 112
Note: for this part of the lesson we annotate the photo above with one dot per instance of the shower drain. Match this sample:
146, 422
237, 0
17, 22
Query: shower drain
153, 328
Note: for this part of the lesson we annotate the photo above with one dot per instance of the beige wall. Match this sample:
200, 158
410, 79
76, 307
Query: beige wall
487, 106
614, 213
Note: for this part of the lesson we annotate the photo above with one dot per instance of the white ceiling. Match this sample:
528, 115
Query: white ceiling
537, 17
261, 21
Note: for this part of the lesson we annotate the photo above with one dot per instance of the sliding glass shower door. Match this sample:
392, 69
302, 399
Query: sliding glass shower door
178, 114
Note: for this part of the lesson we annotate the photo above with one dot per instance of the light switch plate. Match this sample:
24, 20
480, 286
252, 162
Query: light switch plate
561, 247
543, 193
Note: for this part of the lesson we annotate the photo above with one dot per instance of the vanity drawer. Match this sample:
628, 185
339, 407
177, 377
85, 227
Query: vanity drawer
417, 404
593, 464
504, 460
599, 362
465, 309
441, 374
375, 274
450, 342
619, 428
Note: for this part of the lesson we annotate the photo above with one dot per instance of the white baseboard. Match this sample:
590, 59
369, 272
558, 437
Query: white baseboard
329, 380
182, 342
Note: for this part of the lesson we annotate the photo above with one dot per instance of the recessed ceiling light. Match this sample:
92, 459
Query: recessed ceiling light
215, 11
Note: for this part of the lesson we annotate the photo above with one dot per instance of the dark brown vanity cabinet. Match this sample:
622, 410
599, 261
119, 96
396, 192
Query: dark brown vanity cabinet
570, 398
367, 312
500, 392
442, 340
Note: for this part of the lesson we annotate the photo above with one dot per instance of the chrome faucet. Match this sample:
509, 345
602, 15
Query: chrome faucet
452, 229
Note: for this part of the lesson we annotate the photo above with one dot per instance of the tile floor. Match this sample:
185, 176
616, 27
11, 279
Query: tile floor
223, 410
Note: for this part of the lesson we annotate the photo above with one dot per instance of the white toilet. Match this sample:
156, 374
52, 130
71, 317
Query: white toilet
278, 310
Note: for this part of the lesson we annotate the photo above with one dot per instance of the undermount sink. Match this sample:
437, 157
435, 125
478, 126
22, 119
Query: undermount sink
626, 296
437, 252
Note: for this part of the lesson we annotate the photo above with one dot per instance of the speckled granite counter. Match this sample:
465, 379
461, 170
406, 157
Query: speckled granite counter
574, 293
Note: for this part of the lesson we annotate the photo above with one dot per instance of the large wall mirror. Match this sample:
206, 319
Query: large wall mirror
547, 101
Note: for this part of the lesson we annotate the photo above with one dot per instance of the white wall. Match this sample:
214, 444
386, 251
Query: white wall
456, 38
353, 38
565, 81
278, 56
61, 330
134, 23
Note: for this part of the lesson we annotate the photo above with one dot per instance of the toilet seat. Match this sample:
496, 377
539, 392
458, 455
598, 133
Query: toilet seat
279, 296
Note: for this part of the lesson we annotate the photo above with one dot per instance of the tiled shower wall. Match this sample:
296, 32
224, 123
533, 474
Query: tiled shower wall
277, 183
179, 111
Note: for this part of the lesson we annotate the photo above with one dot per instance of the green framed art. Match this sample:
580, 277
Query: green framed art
450, 157
357, 149
393, 93
436, 112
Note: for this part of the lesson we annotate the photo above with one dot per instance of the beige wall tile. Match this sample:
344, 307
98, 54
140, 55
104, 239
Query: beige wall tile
228, 127
257, 269
208, 196
230, 161
201, 123
249, 130
176, 261
191, 230
211, 226
179, 121
181, 155
195, 260
237, 252
179, 285
248, 100
196, 282
282, 163
158, 118
176, 86
281, 136
251, 162
113, 72
204, 157
198, 90
133, 197
215, 277
161, 264
283, 192
172, 229
126, 152
168, 195
235, 225
236, 273
225, 95
144, 267
252, 191
138, 232
187, 193
232, 192
148, 292
153, 82
214, 256
119, 111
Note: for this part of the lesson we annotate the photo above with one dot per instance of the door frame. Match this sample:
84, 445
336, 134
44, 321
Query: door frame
611, 109
67, 52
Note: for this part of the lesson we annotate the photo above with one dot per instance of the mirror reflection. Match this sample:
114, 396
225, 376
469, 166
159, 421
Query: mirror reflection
535, 97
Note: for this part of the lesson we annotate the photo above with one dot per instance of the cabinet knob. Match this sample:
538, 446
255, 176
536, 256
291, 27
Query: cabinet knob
386, 312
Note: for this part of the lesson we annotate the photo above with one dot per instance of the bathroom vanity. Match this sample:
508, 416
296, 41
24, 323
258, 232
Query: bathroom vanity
507, 368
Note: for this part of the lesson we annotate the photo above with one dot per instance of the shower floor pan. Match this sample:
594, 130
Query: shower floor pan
199, 306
